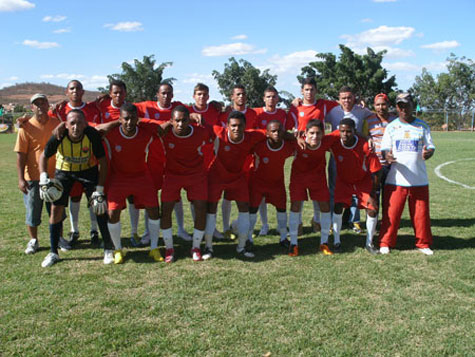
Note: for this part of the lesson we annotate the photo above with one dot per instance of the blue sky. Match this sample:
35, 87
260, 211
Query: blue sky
55, 41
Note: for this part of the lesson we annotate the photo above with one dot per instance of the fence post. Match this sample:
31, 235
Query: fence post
446, 121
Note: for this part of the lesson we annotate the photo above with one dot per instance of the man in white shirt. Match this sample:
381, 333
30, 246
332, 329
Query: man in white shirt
406, 145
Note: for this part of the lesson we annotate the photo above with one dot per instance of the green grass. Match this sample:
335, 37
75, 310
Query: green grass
404, 304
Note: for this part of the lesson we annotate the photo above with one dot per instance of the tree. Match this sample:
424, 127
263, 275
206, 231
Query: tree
244, 73
141, 78
364, 73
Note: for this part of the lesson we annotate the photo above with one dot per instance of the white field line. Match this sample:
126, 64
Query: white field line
438, 173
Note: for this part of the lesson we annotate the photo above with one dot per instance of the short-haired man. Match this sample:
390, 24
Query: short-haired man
406, 145
31, 141
78, 154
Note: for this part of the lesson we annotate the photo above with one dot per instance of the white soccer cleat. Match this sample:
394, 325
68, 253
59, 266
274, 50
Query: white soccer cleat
207, 254
426, 251
32, 246
264, 230
184, 235
384, 250
50, 259
108, 256
245, 253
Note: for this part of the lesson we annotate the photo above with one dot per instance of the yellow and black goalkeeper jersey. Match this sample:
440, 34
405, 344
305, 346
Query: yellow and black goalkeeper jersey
76, 156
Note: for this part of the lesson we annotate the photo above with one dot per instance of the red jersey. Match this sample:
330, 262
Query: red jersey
263, 118
302, 114
355, 162
250, 114
127, 155
231, 156
312, 162
183, 153
90, 111
269, 163
210, 114
109, 112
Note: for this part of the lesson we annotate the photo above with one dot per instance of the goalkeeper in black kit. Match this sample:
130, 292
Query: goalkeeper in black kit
80, 157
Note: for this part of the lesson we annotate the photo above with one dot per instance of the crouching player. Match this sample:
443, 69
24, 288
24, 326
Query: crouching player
266, 179
129, 176
358, 171
76, 155
308, 175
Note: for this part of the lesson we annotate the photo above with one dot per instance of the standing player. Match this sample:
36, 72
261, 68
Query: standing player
129, 176
266, 179
358, 171
406, 145
77, 154
160, 110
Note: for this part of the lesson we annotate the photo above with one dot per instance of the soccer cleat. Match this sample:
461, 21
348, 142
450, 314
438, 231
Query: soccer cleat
426, 251
300, 230
155, 255
64, 245
196, 255
169, 255
50, 259
325, 249
32, 246
145, 241
229, 235
384, 250
94, 238
135, 240
371, 249
337, 248
285, 243
244, 252
73, 238
207, 254
108, 256
316, 226
184, 235
357, 227
293, 250
218, 235
264, 230
119, 256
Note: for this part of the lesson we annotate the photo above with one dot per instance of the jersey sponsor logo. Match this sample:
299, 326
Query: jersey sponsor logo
264, 122
407, 145
227, 148
85, 149
107, 115
302, 114
157, 115
407, 134
118, 148
265, 160
171, 145
340, 158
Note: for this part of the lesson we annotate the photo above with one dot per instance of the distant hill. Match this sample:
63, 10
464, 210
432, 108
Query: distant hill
22, 92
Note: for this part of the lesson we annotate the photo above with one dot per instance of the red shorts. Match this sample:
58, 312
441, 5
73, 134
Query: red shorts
236, 190
156, 169
362, 190
196, 187
76, 190
141, 187
317, 188
274, 193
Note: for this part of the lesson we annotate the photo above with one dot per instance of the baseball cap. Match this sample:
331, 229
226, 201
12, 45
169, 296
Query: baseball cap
381, 95
404, 98
37, 96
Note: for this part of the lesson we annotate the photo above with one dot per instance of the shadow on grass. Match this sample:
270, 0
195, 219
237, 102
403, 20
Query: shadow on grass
443, 222
407, 242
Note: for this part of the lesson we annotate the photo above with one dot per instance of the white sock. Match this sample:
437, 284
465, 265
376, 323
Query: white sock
226, 212
316, 211
294, 221
371, 223
179, 215
114, 230
154, 229
197, 237
168, 237
192, 210
93, 217
282, 224
74, 215
326, 221
337, 218
243, 228
252, 224
263, 212
134, 214
145, 217
210, 227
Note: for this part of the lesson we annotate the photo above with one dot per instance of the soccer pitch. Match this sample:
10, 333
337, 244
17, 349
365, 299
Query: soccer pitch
403, 304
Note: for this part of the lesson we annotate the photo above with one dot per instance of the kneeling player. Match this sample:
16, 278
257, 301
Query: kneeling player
358, 171
77, 152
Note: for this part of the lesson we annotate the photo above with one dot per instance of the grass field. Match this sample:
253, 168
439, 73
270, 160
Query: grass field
403, 304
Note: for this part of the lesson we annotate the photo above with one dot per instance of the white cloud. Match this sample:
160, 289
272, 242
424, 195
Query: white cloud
392, 52
380, 36
68, 76
65, 30
15, 5
90, 82
57, 18
436, 66
401, 66
13, 78
5, 84
441, 46
198, 77
292, 62
40, 45
366, 20
239, 37
231, 49
128, 26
